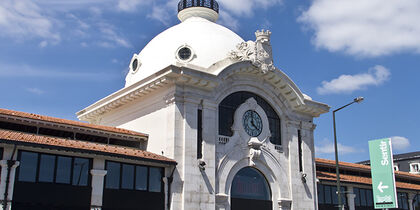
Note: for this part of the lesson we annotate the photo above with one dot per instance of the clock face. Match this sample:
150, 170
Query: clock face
252, 123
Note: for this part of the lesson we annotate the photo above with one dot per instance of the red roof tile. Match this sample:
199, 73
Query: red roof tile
361, 167
327, 176
70, 122
37, 140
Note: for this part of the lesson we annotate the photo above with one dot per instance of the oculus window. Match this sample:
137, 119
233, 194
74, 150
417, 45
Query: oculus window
229, 105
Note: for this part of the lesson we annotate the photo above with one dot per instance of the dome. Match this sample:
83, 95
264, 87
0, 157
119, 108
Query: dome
196, 41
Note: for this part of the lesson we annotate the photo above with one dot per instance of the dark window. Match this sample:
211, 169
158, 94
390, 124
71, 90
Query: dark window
199, 134
363, 197
184, 53
141, 178
46, 168
127, 181
133, 177
227, 110
328, 198
300, 151
249, 183
80, 171
320, 193
334, 195
49, 168
369, 197
113, 175
155, 179
356, 191
63, 170
28, 166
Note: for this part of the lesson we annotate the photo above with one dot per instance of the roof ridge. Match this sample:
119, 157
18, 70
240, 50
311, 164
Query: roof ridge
17, 136
71, 122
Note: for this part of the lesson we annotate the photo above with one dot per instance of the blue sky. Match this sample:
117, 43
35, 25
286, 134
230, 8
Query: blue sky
57, 57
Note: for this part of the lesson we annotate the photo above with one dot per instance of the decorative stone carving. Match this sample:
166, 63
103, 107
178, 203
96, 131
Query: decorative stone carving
255, 150
259, 52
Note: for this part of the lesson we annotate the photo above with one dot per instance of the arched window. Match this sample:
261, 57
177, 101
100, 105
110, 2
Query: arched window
227, 110
249, 183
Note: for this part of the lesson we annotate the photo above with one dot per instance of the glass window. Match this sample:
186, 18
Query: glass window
363, 197
63, 170
141, 178
127, 181
369, 197
80, 171
227, 110
46, 168
320, 193
328, 199
113, 175
28, 166
249, 183
357, 198
334, 195
155, 179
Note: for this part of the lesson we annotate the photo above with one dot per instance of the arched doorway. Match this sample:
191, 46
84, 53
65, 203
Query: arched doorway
250, 190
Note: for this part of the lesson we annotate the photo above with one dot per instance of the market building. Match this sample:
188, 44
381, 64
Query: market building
232, 131
51, 163
408, 162
356, 185
239, 128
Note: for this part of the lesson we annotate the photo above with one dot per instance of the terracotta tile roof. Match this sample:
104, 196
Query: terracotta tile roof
13, 137
327, 176
70, 122
360, 167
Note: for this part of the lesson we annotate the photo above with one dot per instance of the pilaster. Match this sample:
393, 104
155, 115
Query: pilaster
350, 198
3, 185
98, 174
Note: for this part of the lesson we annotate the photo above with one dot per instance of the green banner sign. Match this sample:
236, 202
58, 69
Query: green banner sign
383, 178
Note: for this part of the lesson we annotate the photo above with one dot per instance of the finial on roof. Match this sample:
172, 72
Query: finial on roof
208, 9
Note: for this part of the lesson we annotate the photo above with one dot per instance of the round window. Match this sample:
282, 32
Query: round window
135, 64
184, 53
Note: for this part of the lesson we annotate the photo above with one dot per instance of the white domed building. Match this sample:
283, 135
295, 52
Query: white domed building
240, 130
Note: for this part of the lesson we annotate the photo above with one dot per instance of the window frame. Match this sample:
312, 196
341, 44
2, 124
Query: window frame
134, 177
54, 181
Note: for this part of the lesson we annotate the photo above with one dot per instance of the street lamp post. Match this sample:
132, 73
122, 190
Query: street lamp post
337, 166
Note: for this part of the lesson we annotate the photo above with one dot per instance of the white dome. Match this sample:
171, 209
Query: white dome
208, 41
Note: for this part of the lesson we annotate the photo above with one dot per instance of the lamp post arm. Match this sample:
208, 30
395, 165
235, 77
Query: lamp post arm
344, 107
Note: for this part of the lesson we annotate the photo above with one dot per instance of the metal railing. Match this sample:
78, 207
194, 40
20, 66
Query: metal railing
211, 4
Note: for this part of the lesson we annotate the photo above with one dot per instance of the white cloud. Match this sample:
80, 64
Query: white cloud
246, 7
327, 147
229, 21
113, 38
24, 19
400, 143
36, 91
43, 44
350, 83
130, 5
365, 27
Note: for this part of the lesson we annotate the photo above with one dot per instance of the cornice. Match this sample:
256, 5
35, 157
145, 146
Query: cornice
173, 75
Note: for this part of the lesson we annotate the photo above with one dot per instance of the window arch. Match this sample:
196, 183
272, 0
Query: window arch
249, 183
227, 110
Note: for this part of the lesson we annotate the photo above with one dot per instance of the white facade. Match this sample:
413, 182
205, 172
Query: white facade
162, 97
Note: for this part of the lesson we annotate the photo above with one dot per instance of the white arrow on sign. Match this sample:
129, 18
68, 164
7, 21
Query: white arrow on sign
381, 187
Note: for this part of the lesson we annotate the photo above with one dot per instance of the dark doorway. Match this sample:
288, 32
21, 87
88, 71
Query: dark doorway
250, 190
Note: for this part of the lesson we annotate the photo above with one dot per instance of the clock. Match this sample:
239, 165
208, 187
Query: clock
252, 123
